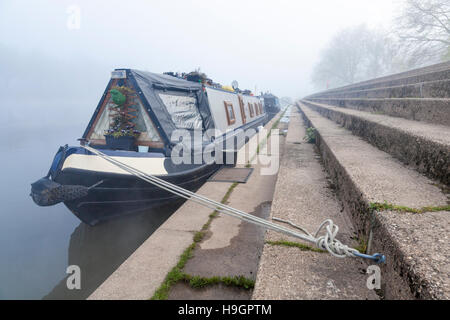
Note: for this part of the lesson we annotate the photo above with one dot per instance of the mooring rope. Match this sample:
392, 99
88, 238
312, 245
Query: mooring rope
326, 242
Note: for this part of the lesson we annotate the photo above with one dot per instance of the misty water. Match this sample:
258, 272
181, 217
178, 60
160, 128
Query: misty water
38, 243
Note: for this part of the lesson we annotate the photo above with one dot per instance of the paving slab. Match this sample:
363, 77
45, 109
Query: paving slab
233, 247
422, 241
287, 274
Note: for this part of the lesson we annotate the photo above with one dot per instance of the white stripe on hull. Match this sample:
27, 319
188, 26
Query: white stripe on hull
154, 166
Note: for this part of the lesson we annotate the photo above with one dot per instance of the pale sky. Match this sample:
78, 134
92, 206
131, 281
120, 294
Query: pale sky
272, 45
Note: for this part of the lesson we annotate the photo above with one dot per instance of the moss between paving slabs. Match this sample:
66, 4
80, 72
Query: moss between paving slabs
310, 136
258, 148
392, 207
275, 124
301, 246
177, 274
362, 245
199, 235
201, 282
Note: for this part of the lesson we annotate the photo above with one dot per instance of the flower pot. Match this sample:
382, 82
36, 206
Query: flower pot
121, 143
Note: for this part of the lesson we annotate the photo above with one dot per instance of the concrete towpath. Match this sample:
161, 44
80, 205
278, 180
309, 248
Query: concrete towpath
231, 248
226, 250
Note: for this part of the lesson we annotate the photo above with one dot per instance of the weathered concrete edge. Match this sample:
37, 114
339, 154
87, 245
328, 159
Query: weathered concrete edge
151, 262
429, 89
404, 284
431, 73
420, 109
428, 157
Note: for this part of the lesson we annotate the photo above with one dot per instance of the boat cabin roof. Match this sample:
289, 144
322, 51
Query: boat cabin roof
164, 104
158, 95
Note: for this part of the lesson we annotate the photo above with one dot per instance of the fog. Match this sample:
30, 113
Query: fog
51, 71
52, 76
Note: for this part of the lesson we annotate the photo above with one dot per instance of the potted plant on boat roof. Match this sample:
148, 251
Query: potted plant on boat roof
122, 134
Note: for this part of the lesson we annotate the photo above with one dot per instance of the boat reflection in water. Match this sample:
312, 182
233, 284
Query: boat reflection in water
100, 250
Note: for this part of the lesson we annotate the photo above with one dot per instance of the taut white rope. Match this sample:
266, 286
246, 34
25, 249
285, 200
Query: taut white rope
326, 242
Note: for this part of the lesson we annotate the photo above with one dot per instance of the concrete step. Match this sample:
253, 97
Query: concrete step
435, 111
431, 89
426, 147
373, 187
303, 196
435, 72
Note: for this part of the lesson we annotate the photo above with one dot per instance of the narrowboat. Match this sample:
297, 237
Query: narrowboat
138, 122
271, 104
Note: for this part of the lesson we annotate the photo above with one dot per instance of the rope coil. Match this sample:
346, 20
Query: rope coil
326, 242
329, 242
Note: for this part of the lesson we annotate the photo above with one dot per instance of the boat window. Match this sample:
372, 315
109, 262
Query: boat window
229, 110
148, 131
242, 107
256, 109
183, 111
250, 108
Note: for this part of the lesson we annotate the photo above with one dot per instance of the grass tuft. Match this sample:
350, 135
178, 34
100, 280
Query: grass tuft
362, 246
197, 282
174, 275
301, 246
392, 207
310, 135
228, 194
198, 236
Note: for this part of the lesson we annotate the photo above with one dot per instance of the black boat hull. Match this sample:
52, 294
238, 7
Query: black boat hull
121, 194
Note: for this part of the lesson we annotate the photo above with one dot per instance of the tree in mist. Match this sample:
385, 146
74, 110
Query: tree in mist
353, 55
423, 28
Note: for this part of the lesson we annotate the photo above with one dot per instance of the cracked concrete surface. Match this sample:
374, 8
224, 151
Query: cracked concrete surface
232, 247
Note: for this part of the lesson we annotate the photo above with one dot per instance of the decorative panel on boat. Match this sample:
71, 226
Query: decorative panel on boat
142, 122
